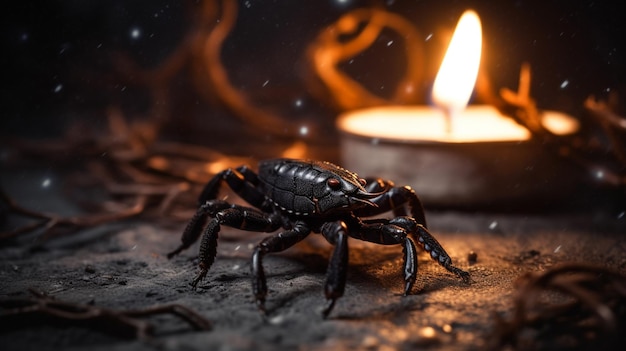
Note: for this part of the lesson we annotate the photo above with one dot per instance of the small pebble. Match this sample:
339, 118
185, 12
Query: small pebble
472, 257
428, 332
279, 319
426, 337
90, 269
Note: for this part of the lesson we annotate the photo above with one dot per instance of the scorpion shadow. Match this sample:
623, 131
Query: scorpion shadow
372, 273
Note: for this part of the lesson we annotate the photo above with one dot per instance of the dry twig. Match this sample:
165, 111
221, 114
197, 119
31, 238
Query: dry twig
614, 125
122, 322
605, 165
526, 112
51, 222
351, 35
141, 177
200, 52
573, 306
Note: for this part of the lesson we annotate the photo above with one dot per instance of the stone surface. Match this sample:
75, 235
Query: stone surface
124, 266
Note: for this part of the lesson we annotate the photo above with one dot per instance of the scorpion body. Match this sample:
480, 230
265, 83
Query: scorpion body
304, 196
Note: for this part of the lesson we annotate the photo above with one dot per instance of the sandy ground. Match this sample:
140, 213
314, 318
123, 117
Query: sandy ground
124, 266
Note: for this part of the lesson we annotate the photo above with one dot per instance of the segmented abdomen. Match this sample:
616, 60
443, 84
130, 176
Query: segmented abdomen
290, 184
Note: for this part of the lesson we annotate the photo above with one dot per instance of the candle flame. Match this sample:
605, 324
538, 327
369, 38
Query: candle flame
457, 75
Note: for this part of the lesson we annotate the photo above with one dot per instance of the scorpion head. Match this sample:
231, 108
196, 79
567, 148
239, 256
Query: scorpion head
339, 190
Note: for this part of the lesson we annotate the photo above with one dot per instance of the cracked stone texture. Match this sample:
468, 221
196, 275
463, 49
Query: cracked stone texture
123, 266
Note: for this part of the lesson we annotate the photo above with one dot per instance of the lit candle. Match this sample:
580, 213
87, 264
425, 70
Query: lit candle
453, 155
451, 121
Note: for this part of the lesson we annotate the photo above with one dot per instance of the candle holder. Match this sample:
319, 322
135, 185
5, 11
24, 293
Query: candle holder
490, 162
504, 175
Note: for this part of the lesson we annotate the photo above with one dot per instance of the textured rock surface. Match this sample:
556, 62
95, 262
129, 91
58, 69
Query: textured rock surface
124, 267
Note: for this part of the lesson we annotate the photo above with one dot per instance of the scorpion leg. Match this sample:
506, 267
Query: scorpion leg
391, 232
242, 180
337, 234
433, 247
240, 217
407, 230
410, 265
393, 199
194, 227
275, 243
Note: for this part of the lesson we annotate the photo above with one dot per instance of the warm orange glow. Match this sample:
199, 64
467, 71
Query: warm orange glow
216, 166
479, 123
457, 75
453, 121
297, 150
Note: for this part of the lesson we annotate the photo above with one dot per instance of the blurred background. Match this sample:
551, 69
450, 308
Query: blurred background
116, 113
88, 68
62, 58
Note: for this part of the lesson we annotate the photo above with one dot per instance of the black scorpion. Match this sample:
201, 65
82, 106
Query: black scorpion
305, 196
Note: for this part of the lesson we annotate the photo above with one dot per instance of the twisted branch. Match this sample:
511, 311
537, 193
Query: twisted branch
122, 322
573, 306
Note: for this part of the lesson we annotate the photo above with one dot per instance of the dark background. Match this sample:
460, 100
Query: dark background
58, 65
58, 71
